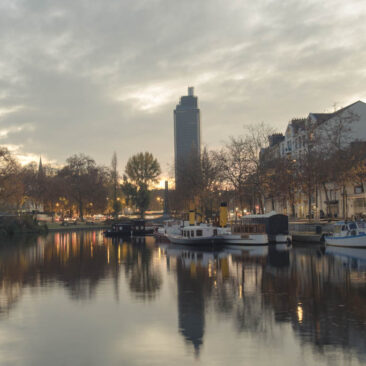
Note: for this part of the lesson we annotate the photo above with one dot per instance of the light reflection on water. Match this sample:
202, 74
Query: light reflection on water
79, 298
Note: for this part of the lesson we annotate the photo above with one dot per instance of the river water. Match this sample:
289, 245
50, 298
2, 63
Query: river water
81, 299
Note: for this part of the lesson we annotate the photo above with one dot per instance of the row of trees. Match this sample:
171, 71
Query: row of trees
80, 187
244, 171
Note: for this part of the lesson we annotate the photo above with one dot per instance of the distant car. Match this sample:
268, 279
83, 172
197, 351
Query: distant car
44, 218
100, 217
69, 221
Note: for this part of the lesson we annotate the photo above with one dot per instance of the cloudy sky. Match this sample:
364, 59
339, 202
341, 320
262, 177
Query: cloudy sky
97, 76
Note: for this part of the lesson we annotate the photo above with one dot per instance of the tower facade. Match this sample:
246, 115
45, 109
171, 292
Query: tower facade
187, 132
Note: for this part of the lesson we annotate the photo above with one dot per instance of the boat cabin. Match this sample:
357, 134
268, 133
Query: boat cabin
138, 227
199, 231
274, 223
134, 228
350, 228
121, 229
248, 228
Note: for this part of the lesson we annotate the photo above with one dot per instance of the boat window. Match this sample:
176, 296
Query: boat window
352, 226
361, 224
344, 228
215, 232
199, 233
184, 233
192, 233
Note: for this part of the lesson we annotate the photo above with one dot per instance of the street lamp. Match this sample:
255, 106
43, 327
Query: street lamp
160, 201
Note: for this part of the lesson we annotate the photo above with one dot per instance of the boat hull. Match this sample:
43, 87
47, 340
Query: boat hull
232, 239
193, 241
357, 241
115, 234
280, 238
161, 237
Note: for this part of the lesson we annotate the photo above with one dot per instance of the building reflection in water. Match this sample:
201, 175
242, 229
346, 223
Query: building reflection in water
196, 276
322, 297
320, 293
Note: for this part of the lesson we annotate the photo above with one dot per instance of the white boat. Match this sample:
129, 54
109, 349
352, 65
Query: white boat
347, 234
170, 227
197, 235
245, 234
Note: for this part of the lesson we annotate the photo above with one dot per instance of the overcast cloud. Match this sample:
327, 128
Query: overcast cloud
101, 76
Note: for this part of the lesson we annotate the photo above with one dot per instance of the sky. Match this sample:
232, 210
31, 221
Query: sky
94, 77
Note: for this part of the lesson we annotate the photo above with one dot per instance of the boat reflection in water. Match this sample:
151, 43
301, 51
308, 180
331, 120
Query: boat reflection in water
353, 258
144, 302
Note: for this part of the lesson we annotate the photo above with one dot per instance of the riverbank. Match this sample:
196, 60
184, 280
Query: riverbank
19, 225
13, 225
310, 232
52, 227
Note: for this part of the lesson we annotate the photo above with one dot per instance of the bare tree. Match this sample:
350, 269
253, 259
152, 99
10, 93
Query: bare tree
11, 187
234, 168
243, 168
284, 182
200, 181
333, 162
255, 141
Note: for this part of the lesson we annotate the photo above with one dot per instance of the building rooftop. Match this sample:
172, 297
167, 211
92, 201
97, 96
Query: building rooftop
322, 117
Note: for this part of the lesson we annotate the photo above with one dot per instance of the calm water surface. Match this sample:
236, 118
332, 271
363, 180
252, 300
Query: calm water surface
81, 299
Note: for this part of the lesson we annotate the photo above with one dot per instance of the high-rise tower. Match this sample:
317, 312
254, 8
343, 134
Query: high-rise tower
187, 132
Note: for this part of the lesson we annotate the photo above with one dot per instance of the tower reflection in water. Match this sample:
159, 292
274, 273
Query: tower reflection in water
218, 276
194, 282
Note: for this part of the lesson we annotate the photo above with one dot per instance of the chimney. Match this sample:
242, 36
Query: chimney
191, 91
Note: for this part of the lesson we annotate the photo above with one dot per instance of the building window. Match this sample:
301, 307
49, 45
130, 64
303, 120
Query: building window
359, 189
332, 195
359, 204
